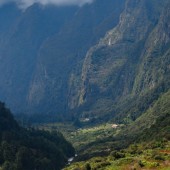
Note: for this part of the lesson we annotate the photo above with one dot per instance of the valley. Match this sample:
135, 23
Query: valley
101, 147
140, 144
87, 83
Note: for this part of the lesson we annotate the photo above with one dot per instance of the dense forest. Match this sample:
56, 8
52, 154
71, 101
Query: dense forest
28, 149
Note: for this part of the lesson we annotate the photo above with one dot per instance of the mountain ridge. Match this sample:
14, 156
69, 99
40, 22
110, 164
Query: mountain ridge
128, 60
50, 49
131, 53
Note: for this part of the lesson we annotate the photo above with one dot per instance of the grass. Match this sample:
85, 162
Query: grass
144, 156
136, 157
81, 137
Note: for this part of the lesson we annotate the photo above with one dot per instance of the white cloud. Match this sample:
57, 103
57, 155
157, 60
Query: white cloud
27, 3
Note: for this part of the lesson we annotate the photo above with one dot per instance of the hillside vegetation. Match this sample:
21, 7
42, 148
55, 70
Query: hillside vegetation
28, 149
99, 73
142, 144
128, 70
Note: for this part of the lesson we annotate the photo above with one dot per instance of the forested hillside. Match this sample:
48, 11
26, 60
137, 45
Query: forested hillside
28, 149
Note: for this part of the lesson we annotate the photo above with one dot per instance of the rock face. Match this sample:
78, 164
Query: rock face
20, 44
91, 65
130, 62
44, 50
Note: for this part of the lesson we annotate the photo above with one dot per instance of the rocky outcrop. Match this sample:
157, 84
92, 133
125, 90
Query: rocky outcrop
131, 60
103, 63
56, 81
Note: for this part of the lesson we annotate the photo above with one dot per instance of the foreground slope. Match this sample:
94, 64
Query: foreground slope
142, 144
22, 149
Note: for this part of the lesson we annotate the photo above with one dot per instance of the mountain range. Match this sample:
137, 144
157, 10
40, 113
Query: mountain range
41, 47
98, 72
101, 61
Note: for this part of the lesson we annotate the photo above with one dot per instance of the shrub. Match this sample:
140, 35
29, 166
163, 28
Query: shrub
141, 163
117, 155
87, 166
159, 157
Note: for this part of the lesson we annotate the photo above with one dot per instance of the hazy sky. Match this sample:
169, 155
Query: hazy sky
27, 3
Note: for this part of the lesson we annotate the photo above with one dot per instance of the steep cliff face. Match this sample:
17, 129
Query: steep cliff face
155, 58
58, 71
50, 63
42, 51
130, 62
23, 35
